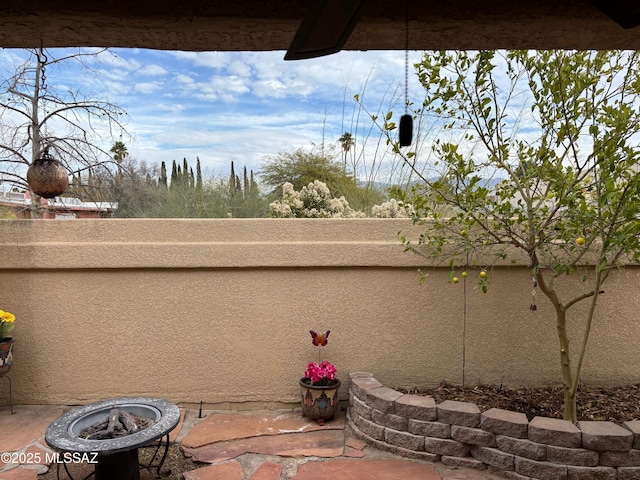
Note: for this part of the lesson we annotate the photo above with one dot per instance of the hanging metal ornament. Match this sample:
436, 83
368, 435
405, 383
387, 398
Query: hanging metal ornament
405, 131
47, 177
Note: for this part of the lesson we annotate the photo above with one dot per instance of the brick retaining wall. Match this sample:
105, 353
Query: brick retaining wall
505, 442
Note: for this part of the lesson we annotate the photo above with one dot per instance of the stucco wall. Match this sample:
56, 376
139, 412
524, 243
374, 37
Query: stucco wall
219, 311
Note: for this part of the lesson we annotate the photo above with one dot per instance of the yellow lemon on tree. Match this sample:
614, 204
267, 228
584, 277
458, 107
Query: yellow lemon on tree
483, 274
464, 275
580, 241
455, 279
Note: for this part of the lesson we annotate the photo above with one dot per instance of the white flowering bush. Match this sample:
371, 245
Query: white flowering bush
312, 201
393, 209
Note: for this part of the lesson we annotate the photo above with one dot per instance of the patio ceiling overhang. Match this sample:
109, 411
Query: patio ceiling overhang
201, 25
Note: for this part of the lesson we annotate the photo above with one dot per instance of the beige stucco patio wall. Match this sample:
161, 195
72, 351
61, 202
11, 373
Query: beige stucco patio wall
219, 311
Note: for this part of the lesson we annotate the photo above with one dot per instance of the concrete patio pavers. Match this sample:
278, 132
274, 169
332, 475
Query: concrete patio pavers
228, 471
220, 437
19, 474
22, 432
313, 444
249, 446
382, 469
223, 426
25, 426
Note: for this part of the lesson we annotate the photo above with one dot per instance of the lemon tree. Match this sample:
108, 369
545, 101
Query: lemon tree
557, 131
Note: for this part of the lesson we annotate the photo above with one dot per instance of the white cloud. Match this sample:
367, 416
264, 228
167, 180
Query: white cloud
247, 146
204, 59
115, 88
226, 88
184, 79
152, 70
147, 87
173, 109
240, 69
119, 62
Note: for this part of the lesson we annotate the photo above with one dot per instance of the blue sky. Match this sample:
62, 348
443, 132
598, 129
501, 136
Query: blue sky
240, 106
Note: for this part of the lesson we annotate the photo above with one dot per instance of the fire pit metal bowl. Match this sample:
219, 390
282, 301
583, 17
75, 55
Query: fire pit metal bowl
116, 457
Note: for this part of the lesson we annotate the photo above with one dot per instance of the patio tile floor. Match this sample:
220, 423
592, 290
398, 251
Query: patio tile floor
248, 446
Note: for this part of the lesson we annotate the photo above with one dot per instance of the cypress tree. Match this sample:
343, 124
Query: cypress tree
232, 181
185, 173
246, 183
174, 174
163, 175
198, 175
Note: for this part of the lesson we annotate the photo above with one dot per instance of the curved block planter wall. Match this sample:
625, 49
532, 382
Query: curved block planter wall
505, 442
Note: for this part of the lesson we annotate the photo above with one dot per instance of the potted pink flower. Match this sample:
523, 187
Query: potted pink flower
319, 386
321, 374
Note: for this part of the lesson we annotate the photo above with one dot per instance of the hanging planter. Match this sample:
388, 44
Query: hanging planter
47, 177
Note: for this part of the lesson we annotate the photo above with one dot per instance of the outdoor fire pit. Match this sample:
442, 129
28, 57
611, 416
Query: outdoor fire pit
115, 458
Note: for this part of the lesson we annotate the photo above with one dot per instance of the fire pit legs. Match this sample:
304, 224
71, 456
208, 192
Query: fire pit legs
152, 463
123, 466
106, 472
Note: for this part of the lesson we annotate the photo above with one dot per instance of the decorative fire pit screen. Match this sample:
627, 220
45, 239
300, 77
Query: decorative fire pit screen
111, 431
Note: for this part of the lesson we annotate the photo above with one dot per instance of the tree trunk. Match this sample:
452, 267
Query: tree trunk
36, 143
565, 361
570, 412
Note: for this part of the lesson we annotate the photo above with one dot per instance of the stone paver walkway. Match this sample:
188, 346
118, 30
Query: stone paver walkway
246, 446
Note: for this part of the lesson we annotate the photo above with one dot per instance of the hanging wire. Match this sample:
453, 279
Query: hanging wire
42, 60
406, 58
405, 130
464, 326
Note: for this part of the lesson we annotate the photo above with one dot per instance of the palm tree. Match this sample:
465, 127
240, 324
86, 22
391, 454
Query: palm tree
347, 141
119, 151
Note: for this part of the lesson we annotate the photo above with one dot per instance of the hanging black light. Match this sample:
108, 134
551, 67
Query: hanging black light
47, 177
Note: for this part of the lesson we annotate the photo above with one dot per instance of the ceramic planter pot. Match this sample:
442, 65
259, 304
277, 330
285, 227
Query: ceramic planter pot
319, 402
6, 356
